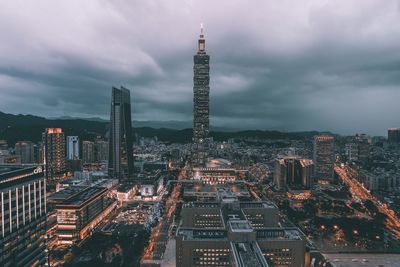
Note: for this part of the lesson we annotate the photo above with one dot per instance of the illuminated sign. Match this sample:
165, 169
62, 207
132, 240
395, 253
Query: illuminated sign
38, 170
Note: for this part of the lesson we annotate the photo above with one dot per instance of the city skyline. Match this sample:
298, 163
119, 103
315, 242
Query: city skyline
276, 144
303, 70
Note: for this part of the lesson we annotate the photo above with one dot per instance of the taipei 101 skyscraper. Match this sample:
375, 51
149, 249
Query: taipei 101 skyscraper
201, 102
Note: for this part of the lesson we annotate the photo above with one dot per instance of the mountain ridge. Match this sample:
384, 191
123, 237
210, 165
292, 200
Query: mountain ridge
20, 127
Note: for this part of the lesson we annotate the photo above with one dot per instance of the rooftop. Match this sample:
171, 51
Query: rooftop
240, 226
11, 174
190, 233
280, 234
78, 198
201, 205
258, 204
248, 254
66, 193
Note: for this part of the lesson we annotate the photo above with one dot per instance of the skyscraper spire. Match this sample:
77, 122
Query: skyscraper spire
202, 41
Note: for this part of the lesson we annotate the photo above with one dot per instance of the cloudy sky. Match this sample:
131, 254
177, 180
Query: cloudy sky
287, 65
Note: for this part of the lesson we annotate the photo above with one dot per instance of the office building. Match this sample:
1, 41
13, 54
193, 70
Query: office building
201, 102
229, 232
53, 142
72, 147
80, 209
26, 151
121, 151
87, 152
23, 216
394, 135
101, 150
293, 172
324, 158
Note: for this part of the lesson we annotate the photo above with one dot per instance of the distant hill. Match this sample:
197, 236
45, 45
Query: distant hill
15, 128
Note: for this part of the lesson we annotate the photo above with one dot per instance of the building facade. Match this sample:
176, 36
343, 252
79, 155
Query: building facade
53, 141
201, 103
79, 211
72, 147
121, 151
215, 176
324, 158
22, 216
26, 150
294, 172
394, 135
101, 150
87, 152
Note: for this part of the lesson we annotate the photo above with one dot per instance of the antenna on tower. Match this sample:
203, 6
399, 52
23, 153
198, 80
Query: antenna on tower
201, 28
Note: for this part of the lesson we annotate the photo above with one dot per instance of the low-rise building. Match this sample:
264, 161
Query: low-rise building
79, 212
230, 232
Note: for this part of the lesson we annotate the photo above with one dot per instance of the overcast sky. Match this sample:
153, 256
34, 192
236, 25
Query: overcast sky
287, 65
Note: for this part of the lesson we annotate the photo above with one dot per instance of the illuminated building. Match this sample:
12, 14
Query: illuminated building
151, 187
25, 149
324, 158
201, 102
10, 159
87, 152
120, 152
101, 150
229, 232
54, 153
72, 147
22, 216
202, 191
394, 135
294, 172
79, 211
215, 175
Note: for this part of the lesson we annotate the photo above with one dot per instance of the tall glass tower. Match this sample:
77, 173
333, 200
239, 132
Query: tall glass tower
201, 102
120, 164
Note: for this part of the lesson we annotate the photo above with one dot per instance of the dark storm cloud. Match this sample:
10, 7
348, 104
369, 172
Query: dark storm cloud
288, 65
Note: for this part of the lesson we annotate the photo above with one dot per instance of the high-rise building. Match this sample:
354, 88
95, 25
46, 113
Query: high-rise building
394, 135
53, 141
324, 157
294, 172
201, 102
87, 152
101, 150
357, 149
72, 147
121, 152
25, 149
23, 216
